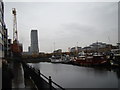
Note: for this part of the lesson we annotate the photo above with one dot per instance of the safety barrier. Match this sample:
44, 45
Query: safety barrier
39, 78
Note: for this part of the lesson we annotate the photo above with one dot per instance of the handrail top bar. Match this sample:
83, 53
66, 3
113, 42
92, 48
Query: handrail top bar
36, 70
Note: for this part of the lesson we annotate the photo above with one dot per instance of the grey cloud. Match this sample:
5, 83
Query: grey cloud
65, 23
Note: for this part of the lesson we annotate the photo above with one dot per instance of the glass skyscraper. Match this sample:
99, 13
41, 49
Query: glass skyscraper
34, 42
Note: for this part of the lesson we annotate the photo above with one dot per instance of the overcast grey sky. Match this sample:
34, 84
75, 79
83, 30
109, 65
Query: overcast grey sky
64, 23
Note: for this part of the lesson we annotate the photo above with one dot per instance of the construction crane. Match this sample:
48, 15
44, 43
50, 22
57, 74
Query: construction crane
16, 47
15, 35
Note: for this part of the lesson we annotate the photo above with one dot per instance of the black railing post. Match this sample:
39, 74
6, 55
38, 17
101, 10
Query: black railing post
50, 83
33, 72
39, 72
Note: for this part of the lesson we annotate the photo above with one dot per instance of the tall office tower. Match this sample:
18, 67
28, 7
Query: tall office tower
34, 42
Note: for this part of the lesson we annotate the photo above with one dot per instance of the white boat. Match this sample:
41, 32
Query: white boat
66, 59
56, 59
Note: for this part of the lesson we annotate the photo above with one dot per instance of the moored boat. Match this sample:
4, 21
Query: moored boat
91, 60
56, 59
116, 60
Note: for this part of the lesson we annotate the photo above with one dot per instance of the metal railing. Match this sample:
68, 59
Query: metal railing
49, 80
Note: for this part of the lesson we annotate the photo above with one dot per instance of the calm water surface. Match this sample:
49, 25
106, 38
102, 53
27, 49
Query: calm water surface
69, 76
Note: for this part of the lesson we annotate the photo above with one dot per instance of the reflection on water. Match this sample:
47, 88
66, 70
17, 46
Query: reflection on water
70, 76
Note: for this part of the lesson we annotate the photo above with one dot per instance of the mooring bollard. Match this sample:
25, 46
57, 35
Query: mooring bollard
50, 83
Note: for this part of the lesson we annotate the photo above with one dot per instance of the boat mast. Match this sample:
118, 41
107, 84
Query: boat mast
77, 50
97, 48
54, 48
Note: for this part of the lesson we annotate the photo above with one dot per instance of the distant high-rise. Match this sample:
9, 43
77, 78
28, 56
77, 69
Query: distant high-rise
34, 42
29, 49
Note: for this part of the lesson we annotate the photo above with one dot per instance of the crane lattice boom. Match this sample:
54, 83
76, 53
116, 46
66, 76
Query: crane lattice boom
15, 34
16, 47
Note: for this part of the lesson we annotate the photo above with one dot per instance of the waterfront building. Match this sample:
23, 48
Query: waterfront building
29, 49
99, 47
3, 33
5, 42
34, 42
76, 49
72, 49
86, 49
58, 52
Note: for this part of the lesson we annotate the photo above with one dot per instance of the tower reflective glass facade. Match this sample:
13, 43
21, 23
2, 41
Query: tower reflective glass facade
34, 42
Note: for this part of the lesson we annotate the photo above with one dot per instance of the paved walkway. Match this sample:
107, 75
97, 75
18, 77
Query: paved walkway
18, 80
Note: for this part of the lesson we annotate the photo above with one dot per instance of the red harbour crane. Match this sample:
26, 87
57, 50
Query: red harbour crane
16, 47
